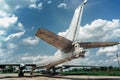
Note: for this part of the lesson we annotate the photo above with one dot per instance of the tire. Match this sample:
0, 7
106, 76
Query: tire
20, 74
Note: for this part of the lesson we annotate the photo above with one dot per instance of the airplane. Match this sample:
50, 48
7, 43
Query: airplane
69, 47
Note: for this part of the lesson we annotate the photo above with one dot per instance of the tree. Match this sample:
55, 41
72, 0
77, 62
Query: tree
9, 69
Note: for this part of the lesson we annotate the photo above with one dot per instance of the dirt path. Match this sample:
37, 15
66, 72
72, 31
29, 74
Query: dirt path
68, 77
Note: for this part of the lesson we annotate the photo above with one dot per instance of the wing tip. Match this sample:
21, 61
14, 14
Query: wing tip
85, 1
39, 31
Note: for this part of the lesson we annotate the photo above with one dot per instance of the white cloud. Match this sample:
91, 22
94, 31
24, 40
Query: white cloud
110, 54
20, 26
8, 21
17, 35
101, 31
36, 6
2, 32
40, 5
13, 5
27, 58
3, 14
62, 5
10, 27
31, 41
49, 2
5, 53
4, 9
98, 30
11, 45
33, 6
0, 44
8, 6
91, 57
108, 49
63, 33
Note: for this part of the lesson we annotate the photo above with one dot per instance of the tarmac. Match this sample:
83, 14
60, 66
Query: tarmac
57, 77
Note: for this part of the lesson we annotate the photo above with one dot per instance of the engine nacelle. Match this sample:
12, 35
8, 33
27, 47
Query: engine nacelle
78, 51
22, 66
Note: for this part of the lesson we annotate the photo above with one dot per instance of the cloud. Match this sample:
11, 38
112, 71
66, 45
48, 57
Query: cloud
8, 21
11, 45
5, 9
99, 31
14, 5
49, 2
2, 32
63, 33
8, 6
10, 27
108, 49
31, 59
4, 54
27, 58
30, 41
36, 6
20, 26
3, 14
33, 6
40, 5
17, 35
62, 5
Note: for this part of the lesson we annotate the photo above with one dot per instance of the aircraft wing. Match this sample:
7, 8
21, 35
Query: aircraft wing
3, 65
87, 45
59, 42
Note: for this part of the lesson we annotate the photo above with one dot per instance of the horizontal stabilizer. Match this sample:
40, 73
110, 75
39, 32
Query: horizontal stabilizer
59, 42
87, 45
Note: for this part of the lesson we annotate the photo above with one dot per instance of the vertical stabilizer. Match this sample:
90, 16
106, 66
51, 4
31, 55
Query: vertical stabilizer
75, 23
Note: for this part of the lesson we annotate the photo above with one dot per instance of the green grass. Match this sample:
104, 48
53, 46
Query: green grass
102, 73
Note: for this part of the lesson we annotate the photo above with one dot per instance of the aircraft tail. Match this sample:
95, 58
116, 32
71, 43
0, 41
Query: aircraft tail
59, 42
75, 23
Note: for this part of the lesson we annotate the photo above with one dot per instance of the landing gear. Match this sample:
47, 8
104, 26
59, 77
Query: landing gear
20, 73
50, 72
31, 73
54, 71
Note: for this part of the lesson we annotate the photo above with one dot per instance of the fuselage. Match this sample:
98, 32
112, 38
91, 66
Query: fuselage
61, 57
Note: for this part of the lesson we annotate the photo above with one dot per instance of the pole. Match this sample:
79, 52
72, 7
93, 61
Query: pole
118, 59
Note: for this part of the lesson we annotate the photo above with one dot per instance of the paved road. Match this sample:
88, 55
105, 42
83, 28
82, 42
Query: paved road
68, 77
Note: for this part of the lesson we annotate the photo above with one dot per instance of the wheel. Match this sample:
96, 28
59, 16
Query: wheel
20, 74
31, 73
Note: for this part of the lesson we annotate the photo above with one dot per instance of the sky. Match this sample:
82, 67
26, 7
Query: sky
20, 19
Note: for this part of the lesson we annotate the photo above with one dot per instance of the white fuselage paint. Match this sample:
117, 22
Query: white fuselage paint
61, 57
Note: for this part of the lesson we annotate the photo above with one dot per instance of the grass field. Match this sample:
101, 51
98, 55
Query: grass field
102, 73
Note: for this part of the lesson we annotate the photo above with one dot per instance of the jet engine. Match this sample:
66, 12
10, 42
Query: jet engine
21, 72
22, 66
78, 51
